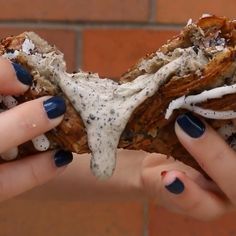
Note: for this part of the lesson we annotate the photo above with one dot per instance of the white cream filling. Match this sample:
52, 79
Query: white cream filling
9, 101
10, 154
41, 143
205, 15
227, 130
188, 102
11, 55
106, 106
228, 133
28, 46
189, 22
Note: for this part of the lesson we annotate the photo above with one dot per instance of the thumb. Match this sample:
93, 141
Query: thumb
152, 167
21, 175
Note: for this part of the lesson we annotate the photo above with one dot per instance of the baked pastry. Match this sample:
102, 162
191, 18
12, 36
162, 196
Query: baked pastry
194, 71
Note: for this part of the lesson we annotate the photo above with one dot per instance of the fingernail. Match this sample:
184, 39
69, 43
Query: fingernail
62, 158
191, 125
175, 187
55, 107
22, 74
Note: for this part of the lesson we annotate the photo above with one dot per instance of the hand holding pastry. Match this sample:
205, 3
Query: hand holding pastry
21, 123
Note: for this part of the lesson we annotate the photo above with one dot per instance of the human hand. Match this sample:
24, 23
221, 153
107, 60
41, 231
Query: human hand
22, 123
186, 191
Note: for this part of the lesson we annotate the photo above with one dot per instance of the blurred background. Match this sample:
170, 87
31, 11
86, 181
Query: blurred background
104, 36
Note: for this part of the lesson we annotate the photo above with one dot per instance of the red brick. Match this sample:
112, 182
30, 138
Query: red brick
36, 217
162, 222
112, 52
65, 40
74, 10
180, 11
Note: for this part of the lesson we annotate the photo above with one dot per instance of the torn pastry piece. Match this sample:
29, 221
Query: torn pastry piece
137, 112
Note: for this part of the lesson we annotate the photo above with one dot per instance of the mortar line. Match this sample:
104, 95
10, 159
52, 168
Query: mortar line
79, 48
156, 7
145, 219
90, 25
152, 10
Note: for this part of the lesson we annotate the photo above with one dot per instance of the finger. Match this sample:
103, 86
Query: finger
155, 164
186, 197
210, 150
14, 79
29, 120
22, 175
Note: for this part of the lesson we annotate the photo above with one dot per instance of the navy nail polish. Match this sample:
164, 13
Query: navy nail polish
55, 107
176, 187
191, 125
22, 74
62, 158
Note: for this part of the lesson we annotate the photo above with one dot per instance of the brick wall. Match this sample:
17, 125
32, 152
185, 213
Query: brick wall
104, 36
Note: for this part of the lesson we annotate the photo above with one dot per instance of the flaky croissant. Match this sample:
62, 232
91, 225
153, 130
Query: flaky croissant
194, 71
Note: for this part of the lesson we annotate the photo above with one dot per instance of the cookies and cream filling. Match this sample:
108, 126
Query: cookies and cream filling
105, 105
189, 103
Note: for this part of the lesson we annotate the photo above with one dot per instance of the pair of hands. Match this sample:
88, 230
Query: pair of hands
173, 184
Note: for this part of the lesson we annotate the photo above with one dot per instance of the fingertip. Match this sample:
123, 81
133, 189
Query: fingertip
14, 78
30, 119
189, 125
22, 175
23, 76
62, 158
54, 107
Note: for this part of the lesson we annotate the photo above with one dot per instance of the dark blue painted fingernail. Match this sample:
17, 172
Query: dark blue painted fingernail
191, 125
176, 187
55, 107
22, 74
62, 158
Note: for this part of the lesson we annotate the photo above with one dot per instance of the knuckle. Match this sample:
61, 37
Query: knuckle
32, 121
28, 124
149, 183
192, 206
3, 189
199, 210
146, 181
150, 161
216, 158
232, 198
153, 160
211, 216
34, 175
219, 155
